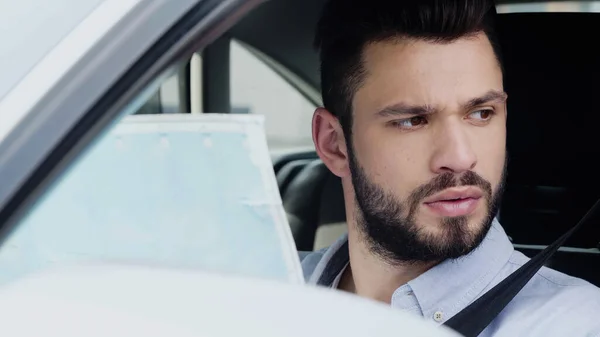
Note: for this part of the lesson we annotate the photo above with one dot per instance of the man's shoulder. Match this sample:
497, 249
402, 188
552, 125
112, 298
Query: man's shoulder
556, 303
310, 261
553, 281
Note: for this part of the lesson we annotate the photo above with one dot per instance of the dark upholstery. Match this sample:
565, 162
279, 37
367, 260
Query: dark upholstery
280, 161
552, 78
288, 171
302, 201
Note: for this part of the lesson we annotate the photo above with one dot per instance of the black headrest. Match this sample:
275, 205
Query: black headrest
552, 79
302, 200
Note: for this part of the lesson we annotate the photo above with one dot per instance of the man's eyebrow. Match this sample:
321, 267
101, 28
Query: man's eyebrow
488, 97
402, 109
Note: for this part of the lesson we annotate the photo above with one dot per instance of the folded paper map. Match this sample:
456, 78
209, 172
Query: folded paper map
182, 190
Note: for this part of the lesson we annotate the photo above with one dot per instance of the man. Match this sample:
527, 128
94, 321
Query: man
414, 123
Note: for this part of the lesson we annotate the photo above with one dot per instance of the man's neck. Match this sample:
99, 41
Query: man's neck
369, 276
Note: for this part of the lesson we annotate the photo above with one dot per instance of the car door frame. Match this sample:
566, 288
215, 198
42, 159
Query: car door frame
126, 64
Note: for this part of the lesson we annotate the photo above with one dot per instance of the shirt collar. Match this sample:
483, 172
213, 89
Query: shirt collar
451, 285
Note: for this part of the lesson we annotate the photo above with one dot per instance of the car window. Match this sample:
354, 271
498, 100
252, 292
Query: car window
550, 6
256, 88
171, 97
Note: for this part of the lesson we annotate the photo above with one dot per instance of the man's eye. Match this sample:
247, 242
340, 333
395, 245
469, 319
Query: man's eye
411, 122
482, 115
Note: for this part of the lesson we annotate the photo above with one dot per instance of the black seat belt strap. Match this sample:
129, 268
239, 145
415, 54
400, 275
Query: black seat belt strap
335, 266
473, 319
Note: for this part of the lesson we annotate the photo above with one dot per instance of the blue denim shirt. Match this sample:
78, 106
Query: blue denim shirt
551, 304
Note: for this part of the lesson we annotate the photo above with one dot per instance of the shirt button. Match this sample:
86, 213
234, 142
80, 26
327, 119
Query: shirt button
438, 316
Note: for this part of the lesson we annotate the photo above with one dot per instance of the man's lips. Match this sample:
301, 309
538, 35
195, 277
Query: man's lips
456, 201
456, 193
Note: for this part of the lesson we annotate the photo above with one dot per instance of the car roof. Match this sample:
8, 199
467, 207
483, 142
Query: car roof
284, 31
42, 25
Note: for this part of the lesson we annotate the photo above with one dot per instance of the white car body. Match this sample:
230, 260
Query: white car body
44, 103
125, 300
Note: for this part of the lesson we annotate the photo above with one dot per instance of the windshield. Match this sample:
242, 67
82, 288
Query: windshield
29, 29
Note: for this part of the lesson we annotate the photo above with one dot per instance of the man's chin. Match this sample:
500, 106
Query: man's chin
428, 241
464, 225
461, 231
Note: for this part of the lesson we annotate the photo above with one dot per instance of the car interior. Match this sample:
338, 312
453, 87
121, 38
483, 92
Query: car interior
551, 77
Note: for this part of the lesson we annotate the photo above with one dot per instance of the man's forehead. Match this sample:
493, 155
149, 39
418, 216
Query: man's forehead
427, 73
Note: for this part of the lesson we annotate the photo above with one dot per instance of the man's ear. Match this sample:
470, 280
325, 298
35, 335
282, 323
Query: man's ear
330, 142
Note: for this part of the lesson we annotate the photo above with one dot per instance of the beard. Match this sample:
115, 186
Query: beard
390, 226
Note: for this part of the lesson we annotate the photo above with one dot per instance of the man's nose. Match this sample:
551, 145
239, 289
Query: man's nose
453, 150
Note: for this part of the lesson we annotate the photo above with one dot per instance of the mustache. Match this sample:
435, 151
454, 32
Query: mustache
447, 180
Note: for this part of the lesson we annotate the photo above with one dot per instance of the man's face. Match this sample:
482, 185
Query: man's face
427, 151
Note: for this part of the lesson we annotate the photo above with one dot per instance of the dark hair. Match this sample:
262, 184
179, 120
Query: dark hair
346, 26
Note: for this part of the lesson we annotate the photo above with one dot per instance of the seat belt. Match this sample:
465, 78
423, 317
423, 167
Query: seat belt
473, 319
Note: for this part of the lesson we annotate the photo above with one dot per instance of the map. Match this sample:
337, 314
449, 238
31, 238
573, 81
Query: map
181, 190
